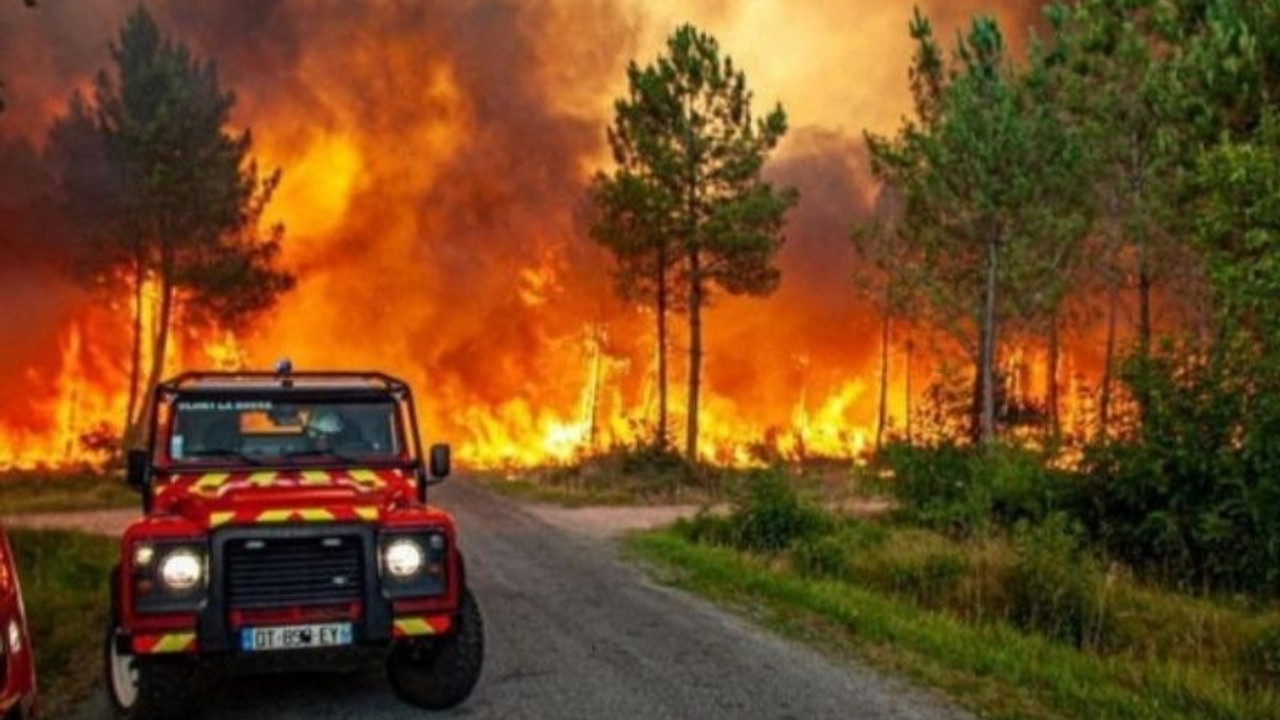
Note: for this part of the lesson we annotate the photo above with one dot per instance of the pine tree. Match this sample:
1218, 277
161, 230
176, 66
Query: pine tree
631, 217
167, 195
1119, 98
988, 174
698, 153
884, 277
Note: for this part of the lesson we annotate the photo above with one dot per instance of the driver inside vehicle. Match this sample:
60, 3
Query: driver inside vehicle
327, 430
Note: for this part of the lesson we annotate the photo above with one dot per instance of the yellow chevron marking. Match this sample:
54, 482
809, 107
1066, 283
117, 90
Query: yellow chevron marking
315, 477
365, 476
262, 479
211, 481
295, 514
175, 642
367, 513
274, 516
220, 518
414, 626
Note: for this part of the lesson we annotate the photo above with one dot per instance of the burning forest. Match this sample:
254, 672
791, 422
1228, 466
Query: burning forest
960, 319
435, 161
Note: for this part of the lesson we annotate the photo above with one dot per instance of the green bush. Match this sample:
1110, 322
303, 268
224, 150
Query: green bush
836, 554
1260, 656
661, 470
770, 515
931, 484
962, 490
917, 564
1017, 484
707, 528
826, 556
1053, 585
935, 580
1191, 496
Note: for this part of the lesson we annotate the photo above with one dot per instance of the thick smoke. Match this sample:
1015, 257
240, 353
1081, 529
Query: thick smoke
435, 155
36, 303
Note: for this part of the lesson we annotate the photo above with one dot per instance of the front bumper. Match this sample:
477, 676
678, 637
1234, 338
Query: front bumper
215, 628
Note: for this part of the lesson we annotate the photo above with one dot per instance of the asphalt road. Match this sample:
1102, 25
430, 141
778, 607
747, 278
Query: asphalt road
574, 632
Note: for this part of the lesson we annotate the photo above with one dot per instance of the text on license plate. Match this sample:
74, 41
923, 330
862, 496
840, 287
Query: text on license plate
292, 637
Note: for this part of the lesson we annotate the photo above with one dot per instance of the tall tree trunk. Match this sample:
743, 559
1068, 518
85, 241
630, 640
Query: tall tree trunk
660, 439
695, 283
1137, 188
1055, 419
593, 399
1144, 300
1141, 394
882, 413
906, 393
130, 435
1104, 402
161, 344
695, 354
987, 352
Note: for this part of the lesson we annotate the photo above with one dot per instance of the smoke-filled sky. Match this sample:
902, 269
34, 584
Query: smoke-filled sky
435, 155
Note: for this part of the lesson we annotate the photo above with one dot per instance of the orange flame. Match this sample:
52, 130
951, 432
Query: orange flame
433, 159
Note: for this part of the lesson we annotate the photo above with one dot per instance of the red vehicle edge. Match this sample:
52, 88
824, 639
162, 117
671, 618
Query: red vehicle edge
17, 664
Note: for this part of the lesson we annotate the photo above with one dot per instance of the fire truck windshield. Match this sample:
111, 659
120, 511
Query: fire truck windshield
272, 431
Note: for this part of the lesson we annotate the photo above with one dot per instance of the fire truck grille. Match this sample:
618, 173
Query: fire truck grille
279, 572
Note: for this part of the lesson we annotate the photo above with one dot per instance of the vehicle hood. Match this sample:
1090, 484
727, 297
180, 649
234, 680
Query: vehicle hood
216, 498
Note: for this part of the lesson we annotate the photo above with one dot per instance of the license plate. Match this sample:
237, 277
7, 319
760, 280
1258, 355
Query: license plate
295, 637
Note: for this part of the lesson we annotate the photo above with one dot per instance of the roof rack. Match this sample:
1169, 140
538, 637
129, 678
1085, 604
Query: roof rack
286, 381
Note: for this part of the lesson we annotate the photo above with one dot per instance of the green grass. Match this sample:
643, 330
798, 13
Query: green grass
1075, 598
523, 487
578, 486
50, 491
644, 476
990, 667
65, 583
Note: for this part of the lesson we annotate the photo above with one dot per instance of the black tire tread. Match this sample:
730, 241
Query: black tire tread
452, 667
165, 688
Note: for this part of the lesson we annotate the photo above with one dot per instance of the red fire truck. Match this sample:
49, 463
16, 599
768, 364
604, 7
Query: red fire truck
285, 518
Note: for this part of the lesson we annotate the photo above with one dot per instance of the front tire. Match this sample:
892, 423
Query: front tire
442, 673
146, 688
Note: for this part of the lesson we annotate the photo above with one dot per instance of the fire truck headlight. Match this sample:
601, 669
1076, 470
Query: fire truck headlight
181, 570
403, 558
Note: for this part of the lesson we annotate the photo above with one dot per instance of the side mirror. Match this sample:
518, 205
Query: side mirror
441, 463
138, 475
137, 462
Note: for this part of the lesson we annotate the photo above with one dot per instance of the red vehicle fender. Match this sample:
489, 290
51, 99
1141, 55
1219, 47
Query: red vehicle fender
17, 666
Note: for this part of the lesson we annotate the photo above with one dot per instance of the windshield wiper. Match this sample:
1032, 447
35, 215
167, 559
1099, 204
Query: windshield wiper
223, 452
